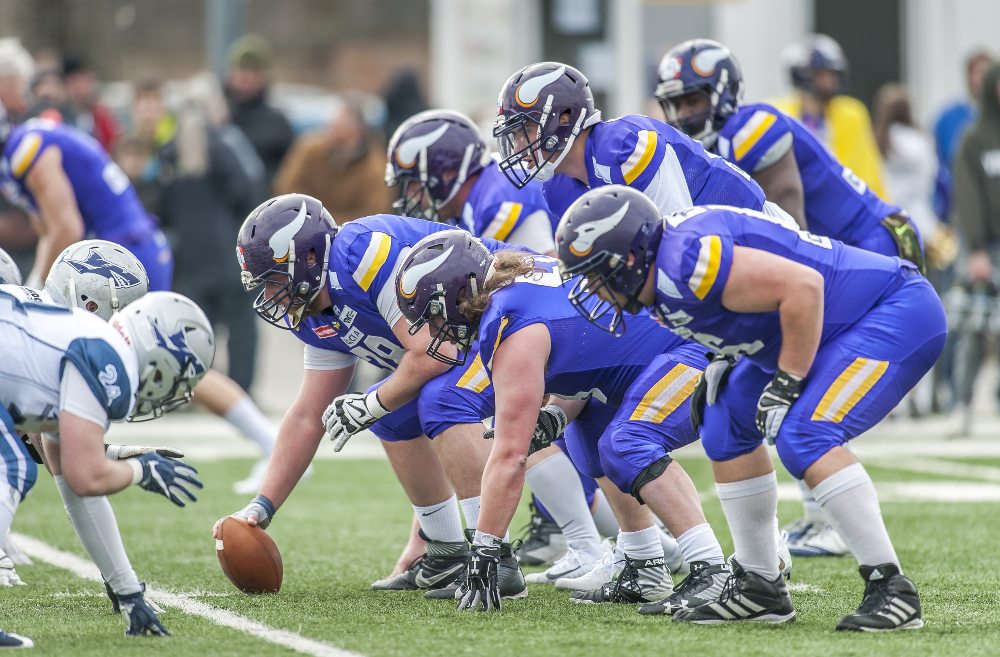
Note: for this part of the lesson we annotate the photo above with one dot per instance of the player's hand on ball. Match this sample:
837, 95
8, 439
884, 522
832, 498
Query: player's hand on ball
350, 414
482, 590
258, 513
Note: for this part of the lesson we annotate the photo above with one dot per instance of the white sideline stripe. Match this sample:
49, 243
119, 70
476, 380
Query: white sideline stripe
940, 467
86, 570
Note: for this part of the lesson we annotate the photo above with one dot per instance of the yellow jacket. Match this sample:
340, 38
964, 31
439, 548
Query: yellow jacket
849, 137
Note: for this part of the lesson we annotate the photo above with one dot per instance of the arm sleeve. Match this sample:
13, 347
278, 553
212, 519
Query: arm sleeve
314, 358
76, 397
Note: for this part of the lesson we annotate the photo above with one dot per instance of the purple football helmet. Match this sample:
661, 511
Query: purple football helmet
284, 245
430, 157
540, 112
440, 270
706, 67
595, 238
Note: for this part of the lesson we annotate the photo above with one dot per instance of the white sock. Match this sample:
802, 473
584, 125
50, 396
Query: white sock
9, 500
750, 507
643, 544
604, 516
700, 544
470, 509
441, 521
558, 486
93, 519
812, 510
850, 502
248, 420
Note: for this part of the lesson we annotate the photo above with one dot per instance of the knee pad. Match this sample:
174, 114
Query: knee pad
648, 474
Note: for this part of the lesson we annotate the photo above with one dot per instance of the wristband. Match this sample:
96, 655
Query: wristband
136, 466
266, 503
486, 540
375, 406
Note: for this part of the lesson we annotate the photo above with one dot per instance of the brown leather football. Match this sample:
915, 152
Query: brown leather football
249, 557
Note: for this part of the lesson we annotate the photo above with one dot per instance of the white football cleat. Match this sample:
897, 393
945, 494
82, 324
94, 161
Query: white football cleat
571, 564
8, 576
603, 571
820, 541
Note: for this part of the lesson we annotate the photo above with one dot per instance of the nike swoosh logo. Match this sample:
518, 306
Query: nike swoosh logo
409, 150
412, 276
281, 239
556, 576
527, 93
430, 513
428, 582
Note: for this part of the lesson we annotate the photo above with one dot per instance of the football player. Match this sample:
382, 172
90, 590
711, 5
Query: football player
532, 341
701, 91
830, 338
439, 161
86, 372
333, 288
61, 176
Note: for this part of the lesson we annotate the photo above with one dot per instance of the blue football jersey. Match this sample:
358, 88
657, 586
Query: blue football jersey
585, 360
838, 203
693, 263
495, 208
560, 192
365, 256
108, 203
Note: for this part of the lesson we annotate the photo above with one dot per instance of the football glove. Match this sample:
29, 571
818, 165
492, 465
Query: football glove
550, 426
167, 477
8, 576
259, 506
481, 591
119, 452
116, 606
351, 413
774, 402
709, 385
139, 615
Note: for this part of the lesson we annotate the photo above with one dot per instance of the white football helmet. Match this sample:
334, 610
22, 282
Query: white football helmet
174, 344
9, 273
97, 275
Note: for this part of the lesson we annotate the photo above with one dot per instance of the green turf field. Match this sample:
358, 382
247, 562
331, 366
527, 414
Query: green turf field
345, 526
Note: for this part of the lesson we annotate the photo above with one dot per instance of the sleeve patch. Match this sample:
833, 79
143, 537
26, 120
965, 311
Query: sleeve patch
25, 153
374, 258
751, 132
504, 221
707, 268
645, 147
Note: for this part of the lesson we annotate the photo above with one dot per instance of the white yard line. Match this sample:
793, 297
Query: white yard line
941, 467
186, 603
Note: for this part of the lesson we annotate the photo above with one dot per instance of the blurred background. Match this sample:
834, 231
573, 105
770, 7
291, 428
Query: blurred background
305, 93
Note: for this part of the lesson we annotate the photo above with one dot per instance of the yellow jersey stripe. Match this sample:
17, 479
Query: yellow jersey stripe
656, 390
707, 268
25, 154
848, 389
503, 224
475, 378
496, 345
374, 258
682, 389
636, 163
750, 134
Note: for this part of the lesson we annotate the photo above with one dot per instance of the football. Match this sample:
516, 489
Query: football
249, 557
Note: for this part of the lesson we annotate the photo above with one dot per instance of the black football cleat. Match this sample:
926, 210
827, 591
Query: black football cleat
543, 543
746, 596
702, 585
890, 602
441, 565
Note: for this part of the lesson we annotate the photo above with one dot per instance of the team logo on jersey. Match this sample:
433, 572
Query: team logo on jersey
409, 150
281, 241
587, 234
324, 332
408, 281
176, 344
704, 63
528, 92
95, 263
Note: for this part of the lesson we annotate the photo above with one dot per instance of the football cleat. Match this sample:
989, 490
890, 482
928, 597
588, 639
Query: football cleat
543, 542
797, 528
746, 596
509, 577
571, 564
10, 640
641, 580
784, 555
821, 540
890, 602
702, 585
442, 564
8, 576
603, 571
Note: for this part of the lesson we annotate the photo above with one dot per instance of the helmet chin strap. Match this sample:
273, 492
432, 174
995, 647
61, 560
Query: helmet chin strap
115, 305
548, 170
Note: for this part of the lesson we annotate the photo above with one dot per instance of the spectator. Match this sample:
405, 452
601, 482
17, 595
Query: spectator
951, 125
343, 165
402, 99
48, 95
204, 194
818, 68
268, 130
82, 93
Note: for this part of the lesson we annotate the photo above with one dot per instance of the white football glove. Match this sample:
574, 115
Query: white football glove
350, 414
8, 576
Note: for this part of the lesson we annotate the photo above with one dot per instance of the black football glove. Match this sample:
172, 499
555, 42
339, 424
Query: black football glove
709, 385
141, 618
550, 426
168, 477
482, 590
774, 402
